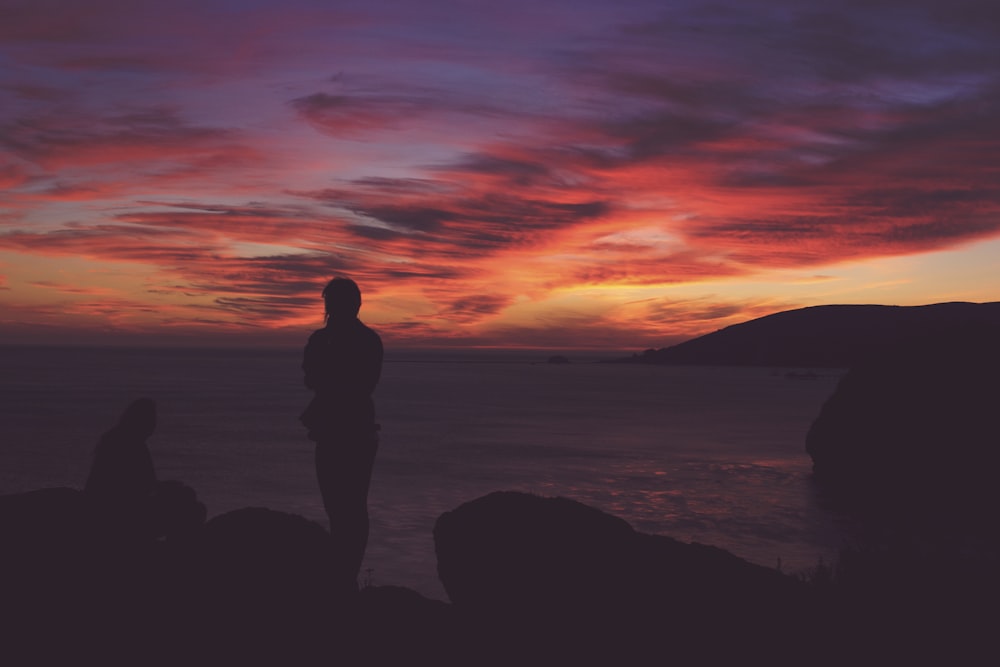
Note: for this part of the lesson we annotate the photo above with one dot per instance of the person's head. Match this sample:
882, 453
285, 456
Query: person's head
342, 298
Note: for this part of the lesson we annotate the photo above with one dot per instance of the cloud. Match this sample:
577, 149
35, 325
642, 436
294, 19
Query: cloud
67, 288
656, 269
147, 134
265, 309
12, 176
471, 172
516, 171
455, 218
117, 242
344, 115
472, 309
34, 92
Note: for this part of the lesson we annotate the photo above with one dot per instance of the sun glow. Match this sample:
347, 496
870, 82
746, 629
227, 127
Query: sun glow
592, 184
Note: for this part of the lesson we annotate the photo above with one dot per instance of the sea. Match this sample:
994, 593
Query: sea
714, 455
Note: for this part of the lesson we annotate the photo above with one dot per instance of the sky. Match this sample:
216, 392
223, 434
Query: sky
620, 174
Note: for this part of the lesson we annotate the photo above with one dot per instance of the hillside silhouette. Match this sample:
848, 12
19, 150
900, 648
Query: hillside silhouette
834, 336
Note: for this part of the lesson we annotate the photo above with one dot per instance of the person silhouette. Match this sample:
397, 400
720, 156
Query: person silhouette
127, 499
121, 478
342, 363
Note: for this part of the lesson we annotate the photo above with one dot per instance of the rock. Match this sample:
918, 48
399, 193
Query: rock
45, 550
42, 517
258, 561
62, 577
915, 428
831, 336
416, 625
507, 547
254, 586
548, 569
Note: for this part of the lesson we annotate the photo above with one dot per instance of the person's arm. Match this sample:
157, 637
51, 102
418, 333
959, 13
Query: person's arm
356, 368
371, 364
351, 365
312, 365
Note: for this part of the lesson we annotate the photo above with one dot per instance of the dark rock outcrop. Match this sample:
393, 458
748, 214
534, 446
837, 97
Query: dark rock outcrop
38, 519
545, 570
45, 546
63, 576
252, 586
505, 548
393, 625
263, 564
915, 429
834, 336
128, 572
256, 586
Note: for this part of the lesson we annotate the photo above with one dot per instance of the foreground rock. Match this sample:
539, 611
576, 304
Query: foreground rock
915, 429
571, 580
251, 586
534, 581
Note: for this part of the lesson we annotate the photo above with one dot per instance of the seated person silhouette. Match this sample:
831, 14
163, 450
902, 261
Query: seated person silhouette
127, 500
342, 364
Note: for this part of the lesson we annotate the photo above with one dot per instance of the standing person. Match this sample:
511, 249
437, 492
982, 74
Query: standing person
342, 364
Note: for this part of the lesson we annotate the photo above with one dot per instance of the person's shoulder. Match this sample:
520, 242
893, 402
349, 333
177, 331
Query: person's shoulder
318, 334
371, 333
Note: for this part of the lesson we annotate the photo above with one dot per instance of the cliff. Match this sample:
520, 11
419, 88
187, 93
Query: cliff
835, 336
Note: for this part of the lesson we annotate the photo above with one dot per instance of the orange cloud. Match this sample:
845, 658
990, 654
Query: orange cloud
615, 176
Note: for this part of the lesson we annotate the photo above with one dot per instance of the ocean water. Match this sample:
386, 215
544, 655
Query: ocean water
706, 454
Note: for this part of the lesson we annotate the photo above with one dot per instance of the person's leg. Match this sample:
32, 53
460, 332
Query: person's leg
344, 470
362, 463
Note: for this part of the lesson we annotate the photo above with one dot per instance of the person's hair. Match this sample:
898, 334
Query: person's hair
342, 298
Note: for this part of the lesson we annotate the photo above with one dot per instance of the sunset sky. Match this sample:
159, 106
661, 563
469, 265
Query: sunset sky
574, 174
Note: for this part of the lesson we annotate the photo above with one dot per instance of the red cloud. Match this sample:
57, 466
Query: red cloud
58, 141
629, 151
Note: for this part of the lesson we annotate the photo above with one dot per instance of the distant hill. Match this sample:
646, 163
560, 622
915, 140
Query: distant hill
835, 336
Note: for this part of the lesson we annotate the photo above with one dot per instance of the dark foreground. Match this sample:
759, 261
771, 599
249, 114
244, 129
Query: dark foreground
532, 580
910, 450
